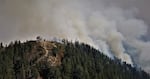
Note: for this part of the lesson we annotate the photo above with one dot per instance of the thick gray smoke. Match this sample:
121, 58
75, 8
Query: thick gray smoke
100, 23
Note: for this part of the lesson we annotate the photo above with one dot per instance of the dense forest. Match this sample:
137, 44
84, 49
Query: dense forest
40, 59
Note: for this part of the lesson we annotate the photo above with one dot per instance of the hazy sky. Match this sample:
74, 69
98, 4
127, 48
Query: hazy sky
142, 5
5, 10
104, 24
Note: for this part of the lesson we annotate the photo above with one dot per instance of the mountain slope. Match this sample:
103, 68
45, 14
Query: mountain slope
40, 59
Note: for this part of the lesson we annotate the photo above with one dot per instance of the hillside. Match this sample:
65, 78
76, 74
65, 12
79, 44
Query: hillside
40, 59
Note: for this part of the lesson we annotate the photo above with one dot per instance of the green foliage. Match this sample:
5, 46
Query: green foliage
80, 61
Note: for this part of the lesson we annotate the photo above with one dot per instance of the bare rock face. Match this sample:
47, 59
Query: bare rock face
52, 57
46, 51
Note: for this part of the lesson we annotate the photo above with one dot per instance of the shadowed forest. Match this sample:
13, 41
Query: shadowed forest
61, 60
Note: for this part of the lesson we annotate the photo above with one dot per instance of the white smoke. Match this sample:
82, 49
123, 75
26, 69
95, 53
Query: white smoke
98, 23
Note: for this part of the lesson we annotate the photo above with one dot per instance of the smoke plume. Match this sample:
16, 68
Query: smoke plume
100, 23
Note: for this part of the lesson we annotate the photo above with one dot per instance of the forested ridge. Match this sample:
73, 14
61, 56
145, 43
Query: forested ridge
40, 59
